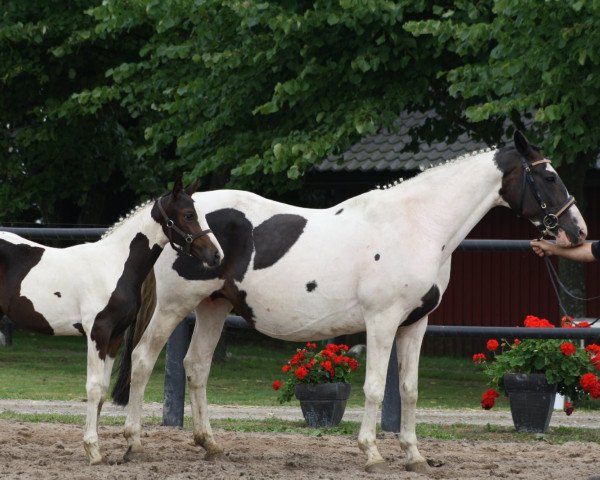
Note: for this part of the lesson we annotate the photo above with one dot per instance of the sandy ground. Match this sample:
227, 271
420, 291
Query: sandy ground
51, 451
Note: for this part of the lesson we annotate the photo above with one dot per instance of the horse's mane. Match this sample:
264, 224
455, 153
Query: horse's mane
122, 220
431, 166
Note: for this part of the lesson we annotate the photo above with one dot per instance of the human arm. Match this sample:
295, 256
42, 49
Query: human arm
580, 253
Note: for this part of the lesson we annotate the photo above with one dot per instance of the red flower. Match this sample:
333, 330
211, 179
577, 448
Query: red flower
479, 357
328, 367
567, 348
488, 398
297, 358
589, 382
353, 364
532, 321
517, 342
301, 372
566, 321
593, 348
584, 325
276, 384
568, 408
285, 368
492, 345
311, 345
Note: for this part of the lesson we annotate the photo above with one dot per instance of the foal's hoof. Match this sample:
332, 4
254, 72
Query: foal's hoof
132, 454
214, 454
378, 466
417, 467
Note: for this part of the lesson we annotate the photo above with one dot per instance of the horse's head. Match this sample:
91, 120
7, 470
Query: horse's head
534, 190
187, 231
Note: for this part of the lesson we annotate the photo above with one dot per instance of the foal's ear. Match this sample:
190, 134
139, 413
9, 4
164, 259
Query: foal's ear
522, 145
177, 187
192, 188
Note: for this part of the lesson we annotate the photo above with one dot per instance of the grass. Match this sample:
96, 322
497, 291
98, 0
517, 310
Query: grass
455, 432
39, 367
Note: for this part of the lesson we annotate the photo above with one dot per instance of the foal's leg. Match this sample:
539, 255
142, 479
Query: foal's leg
164, 320
210, 315
408, 345
381, 329
95, 377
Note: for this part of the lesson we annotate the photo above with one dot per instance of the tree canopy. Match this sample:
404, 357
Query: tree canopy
102, 97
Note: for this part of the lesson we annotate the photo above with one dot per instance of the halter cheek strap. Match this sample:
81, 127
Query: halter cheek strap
550, 220
188, 237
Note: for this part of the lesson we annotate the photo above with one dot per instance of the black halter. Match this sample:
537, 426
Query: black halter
550, 220
188, 237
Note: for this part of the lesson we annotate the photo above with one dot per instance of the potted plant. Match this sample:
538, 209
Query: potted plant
319, 380
531, 371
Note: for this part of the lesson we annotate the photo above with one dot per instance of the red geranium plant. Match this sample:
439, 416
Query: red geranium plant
311, 365
574, 369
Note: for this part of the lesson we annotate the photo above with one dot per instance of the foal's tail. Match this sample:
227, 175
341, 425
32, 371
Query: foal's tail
120, 393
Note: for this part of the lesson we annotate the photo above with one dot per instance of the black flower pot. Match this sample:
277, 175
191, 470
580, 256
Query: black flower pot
531, 401
323, 404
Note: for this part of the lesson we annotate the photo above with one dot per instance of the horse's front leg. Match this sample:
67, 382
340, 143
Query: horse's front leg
408, 345
210, 315
381, 329
95, 378
143, 358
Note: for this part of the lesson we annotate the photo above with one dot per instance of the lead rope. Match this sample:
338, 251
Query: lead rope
556, 284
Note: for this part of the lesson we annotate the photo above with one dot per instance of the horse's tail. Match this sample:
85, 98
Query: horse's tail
120, 393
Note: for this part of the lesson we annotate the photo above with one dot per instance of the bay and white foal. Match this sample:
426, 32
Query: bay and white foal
93, 289
377, 262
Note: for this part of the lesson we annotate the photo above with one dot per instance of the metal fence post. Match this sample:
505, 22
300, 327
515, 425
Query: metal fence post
174, 402
390, 409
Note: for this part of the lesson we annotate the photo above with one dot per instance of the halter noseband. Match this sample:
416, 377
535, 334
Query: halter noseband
550, 220
188, 237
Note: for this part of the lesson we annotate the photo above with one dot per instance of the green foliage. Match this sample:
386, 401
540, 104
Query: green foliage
536, 60
48, 158
542, 356
311, 365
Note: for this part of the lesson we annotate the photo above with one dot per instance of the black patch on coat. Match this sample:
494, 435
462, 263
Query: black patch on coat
58, 294
79, 327
429, 301
377, 257
123, 304
443, 247
16, 261
339, 211
238, 240
274, 237
310, 286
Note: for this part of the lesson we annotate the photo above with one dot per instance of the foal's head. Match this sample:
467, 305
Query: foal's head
180, 222
534, 190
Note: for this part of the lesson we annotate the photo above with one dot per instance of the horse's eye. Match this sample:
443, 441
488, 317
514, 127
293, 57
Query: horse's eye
189, 216
551, 178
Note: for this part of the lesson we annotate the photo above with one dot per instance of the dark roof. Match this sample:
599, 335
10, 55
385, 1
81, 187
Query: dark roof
383, 151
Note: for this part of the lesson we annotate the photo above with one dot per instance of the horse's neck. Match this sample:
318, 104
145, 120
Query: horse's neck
138, 239
449, 200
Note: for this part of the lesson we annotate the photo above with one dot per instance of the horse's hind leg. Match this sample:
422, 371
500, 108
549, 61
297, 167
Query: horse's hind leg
163, 322
210, 317
95, 377
408, 344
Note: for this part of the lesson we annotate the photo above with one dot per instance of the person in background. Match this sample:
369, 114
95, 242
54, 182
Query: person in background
586, 252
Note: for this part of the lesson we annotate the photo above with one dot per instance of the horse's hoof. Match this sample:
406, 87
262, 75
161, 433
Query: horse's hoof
132, 453
96, 460
214, 454
378, 466
417, 467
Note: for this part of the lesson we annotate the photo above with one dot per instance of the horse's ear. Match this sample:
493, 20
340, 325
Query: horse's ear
192, 188
522, 144
177, 187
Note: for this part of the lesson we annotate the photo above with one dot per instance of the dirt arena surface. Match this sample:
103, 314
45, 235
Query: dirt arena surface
53, 451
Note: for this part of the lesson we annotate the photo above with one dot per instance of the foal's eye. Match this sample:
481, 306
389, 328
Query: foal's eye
189, 216
551, 178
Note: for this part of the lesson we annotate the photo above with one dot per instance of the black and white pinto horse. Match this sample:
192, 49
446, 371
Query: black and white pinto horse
377, 262
93, 289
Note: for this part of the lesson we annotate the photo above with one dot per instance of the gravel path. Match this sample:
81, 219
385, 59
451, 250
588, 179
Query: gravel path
424, 415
